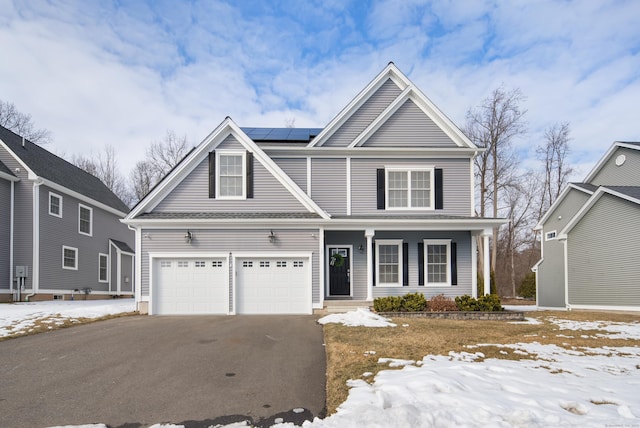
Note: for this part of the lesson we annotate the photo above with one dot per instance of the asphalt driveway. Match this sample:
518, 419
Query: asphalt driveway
137, 371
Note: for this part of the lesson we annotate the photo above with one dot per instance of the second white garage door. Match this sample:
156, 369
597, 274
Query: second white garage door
191, 286
273, 285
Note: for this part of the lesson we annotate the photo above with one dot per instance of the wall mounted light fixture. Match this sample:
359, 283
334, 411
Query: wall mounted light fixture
272, 237
188, 237
361, 248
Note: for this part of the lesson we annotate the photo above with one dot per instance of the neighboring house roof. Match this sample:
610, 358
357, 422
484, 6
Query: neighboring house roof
122, 246
583, 187
48, 166
632, 192
6, 173
605, 158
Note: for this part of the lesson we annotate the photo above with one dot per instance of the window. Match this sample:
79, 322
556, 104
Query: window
299, 263
69, 258
216, 263
281, 264
200, 263
165, 263
103, 268
264, 264
389, 262
231, 175
183, 264
55, 205
550, 235
247, 264
85, 220
409, 188
437, 262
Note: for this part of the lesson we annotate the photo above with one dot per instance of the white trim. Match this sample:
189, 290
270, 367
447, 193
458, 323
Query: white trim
349, 247
108, 268
547, 236
410, 170
603, 308
55, 195
369, 234
82, 198
30, 174
486, 265
80, 207
596, 169
447, 243
348, 166
309, 181
137, 286
11, 232
321, 275
474, 266
76, 258
398, 243
558, 201
232, 153
566, 273
472, 186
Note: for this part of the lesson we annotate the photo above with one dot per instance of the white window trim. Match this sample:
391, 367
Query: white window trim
428, 242
398, 243
220, 153
64, 247
80, 206
100, 255
553, 238
59, 215
409, 170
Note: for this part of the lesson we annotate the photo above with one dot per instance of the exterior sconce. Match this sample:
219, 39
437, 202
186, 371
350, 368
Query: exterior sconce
188, 237
361, 249
272, 237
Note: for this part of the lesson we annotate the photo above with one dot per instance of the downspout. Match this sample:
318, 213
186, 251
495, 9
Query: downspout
137, 262
11, 227
35, 279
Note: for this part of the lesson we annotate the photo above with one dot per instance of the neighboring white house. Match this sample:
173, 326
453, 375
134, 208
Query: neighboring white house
278, 220
591, 238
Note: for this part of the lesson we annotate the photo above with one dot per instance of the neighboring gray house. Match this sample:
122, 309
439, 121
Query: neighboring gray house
280, 220
591, 238
60, 228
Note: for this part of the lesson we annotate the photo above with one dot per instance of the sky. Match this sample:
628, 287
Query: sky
122, 73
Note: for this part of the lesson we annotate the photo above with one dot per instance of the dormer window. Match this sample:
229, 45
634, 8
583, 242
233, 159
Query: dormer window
55, 205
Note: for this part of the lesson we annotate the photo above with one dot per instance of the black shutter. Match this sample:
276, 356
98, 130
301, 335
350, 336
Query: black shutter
373, 256
405, 264
380, 189
249, 175
454, 264
212, 174
438, 186
420, 263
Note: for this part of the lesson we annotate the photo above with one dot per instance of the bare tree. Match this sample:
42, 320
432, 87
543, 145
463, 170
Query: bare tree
142, 179
104, 165
554, 155
290, 122
493, 126
22, 124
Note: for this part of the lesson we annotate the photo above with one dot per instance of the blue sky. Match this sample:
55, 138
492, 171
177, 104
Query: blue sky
124, 72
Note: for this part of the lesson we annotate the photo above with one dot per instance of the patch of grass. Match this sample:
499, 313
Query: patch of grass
348, 348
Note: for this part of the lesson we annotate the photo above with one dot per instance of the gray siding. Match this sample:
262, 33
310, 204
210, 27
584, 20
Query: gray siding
56, 232
5, 225
230, 240
551, 271
366, 114
296, 169
192, 194
603, 253
126, 274
456, 185
625, 175
328, 184
409, 127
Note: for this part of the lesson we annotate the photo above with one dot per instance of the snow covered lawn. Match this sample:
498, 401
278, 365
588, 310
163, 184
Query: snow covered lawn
18, 319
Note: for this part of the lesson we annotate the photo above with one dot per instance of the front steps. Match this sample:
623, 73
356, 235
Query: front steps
340, 306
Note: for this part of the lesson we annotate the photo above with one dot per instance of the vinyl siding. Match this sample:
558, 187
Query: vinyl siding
5, 226
603, 253
126, 274
296, 169
409, 127
456, 185
625, 175
329, 184
551, 270
366, 114
463, 241
230, 240
192, 194
57, 232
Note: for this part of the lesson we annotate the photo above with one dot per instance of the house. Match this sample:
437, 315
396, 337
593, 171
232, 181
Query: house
590, 238
60, 228
281, 220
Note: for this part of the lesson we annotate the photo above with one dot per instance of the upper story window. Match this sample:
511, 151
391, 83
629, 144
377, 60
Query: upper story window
230, 175
550, 235
409, 188
55, 204
85, 220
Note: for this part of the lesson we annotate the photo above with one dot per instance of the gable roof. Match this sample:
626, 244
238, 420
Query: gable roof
122, 246
6, 173
582, 187
188, 164
41, 163
628, 193
409, 91
596, 169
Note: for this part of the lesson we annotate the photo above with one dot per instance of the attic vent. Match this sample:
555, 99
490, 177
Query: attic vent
620, 160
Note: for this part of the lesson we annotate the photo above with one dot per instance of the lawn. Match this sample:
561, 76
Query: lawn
352, 351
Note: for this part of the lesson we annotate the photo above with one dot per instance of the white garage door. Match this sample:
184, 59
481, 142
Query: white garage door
191, 286
273, 285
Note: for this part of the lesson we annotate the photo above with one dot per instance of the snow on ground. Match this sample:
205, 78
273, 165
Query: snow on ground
360, 317
621, 330
20, 318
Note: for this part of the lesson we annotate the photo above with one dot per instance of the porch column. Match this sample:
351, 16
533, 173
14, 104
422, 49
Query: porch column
487, 265
369, 233
474, 266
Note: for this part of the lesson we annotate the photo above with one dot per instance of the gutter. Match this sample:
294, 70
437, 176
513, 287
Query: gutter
36, 239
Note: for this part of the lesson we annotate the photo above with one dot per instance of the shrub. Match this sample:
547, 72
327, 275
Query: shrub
441, 303
387, 304
488, 303
414, 302
528, 286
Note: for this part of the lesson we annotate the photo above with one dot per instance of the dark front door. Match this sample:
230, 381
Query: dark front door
339, 272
